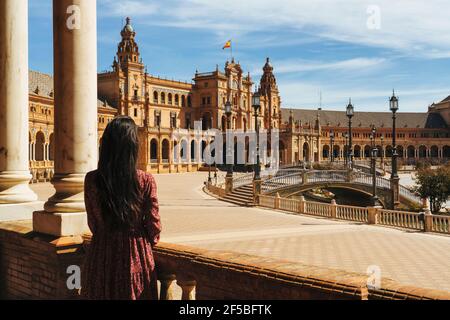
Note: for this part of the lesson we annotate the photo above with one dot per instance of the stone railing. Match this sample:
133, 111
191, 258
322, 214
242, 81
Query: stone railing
401, 219
279, 182
243, 180
220, 275
318, 209
352, 213
34, 266
408, 194
440, 224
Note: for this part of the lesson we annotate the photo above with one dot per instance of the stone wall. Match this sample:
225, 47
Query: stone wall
34, 266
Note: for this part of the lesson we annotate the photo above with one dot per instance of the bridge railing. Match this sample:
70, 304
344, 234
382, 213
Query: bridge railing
409, 195
318, 176
282, 181
327, 176
441, 224
352, 213
402, 219
370, 215
318, 209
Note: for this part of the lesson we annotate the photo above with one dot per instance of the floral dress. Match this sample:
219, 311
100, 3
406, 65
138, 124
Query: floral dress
119, 264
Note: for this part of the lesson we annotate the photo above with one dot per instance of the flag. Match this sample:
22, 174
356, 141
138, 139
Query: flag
227, 45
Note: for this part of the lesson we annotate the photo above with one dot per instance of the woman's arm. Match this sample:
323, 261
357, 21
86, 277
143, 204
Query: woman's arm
153, 220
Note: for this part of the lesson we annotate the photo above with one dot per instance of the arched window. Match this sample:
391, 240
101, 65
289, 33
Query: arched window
177, 100
40, 146
154, 151
155, 97
163, 98
169, 98
183, 101
165, 149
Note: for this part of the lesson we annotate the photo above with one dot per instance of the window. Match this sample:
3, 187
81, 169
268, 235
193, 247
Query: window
208, 100
135, 112
157, 118
173, 120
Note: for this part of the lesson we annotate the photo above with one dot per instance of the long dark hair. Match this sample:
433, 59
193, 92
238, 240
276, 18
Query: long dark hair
117, 181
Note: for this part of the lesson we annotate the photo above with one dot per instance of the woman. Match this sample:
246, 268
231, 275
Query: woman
123, 215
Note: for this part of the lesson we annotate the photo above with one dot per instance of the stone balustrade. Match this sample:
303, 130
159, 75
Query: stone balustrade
370, 215
220, 275
34, 266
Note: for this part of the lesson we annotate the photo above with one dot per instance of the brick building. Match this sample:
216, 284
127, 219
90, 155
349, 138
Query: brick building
161, 107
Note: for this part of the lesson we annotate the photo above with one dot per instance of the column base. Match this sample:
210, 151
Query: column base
19, 211
14, 187
60, 224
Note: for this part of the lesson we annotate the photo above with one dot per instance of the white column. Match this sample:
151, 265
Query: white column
75, 67
14, 166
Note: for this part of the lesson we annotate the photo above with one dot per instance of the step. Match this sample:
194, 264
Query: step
238, 198
244, 193
238, 203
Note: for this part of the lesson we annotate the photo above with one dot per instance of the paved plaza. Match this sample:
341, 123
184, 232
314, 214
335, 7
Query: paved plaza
191, 217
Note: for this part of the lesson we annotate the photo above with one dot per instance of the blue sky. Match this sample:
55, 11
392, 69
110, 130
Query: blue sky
341, 48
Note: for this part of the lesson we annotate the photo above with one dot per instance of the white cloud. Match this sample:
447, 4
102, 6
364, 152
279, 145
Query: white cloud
129, 8
300, 65
304, 94
413, 26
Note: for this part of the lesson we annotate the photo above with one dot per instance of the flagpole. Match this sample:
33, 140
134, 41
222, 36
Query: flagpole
231, 47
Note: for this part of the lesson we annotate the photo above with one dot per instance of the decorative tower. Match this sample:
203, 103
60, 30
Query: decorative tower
270, 96
131, 76
128, 50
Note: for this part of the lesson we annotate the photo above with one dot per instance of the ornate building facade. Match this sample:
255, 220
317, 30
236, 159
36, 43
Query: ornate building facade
162, 107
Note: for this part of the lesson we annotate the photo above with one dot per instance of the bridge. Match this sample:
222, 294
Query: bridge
298, 182
291, 181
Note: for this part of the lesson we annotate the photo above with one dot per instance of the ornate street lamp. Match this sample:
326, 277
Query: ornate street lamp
256, 104
332, 145
229, 151
346, 149
375, 200
393, 104
382, 152
350, 114
374, 154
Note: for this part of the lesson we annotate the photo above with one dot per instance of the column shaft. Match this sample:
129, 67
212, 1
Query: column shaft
75, 133
14, 166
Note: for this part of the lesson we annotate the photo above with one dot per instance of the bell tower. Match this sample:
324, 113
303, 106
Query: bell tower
128, 50
271, 96
131, 73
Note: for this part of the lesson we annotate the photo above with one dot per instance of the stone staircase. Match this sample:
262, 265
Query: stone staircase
242, 196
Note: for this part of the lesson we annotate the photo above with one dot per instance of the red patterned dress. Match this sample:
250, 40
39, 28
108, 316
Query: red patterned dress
119, 264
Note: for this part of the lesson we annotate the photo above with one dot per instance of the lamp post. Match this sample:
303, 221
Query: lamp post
229, 144
346, 149
374, 154
256, 103
229, 176
375, 200
382, 152
395, 180
332, 145
350, 114
393, 102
